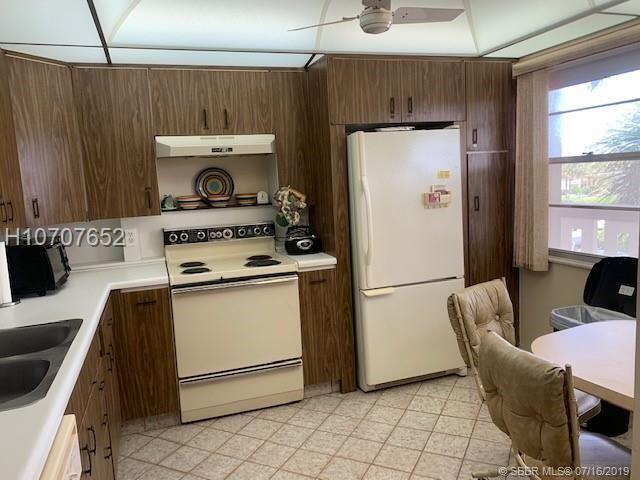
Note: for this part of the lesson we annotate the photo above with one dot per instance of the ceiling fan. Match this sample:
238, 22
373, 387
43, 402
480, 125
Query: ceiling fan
377, 16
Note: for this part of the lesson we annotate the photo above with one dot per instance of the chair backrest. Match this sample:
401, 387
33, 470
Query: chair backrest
477, 310
532, 401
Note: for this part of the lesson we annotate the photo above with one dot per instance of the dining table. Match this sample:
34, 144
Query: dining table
602, 357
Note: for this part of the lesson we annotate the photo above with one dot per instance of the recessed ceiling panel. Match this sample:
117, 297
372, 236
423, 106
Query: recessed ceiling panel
42, 21
222, 59
577, 29
446, 38
239, 24
63, 54
500, 21
631, 7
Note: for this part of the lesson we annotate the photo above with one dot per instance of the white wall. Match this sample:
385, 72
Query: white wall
540, 292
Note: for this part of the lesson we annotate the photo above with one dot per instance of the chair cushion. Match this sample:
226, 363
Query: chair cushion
588, 405
597, 450
526, 397
482, 308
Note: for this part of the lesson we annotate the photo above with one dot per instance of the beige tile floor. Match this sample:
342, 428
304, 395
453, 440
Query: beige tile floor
434, 429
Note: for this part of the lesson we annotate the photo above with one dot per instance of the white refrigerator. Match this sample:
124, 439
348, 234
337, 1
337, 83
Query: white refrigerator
407, 252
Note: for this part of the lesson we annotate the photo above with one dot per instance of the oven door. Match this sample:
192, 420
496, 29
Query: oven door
235, 325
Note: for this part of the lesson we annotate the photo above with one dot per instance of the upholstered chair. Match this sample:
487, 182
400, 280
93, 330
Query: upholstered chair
533, 402
484, 308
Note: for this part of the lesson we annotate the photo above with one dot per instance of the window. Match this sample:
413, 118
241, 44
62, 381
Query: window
594, 164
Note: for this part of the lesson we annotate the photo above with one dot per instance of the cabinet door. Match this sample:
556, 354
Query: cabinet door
112, 389
432, 91
181, 101
364, 91
319, 329
490, 114
118, 144
11, 202
145, 352
244, 107
288, 93
487, 209
93, 437
48, 142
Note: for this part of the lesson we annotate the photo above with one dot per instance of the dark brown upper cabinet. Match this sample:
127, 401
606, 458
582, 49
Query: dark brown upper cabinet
288, 93
48, 142
117, 140
432, 91
245, 105
490, 116
210, 102
364, 91
11, 199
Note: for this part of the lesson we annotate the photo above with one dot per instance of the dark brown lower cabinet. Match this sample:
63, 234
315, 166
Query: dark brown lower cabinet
144, 348
95, 403
320, 354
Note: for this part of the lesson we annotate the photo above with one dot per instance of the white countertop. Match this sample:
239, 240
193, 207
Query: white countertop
26, 433
315, 261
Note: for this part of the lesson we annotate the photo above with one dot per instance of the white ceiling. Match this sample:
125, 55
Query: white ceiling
184, 32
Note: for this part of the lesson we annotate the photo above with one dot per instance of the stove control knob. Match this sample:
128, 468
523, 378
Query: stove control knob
173, 237
227, 233
184, 236
266, 230
218, 234
242, 232
201, 235
212, 235
257, 231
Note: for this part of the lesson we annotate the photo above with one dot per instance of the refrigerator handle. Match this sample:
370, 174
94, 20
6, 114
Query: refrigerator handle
378, 292
369, 216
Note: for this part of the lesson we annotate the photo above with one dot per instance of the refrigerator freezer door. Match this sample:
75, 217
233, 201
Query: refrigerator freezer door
405, 332
396, 239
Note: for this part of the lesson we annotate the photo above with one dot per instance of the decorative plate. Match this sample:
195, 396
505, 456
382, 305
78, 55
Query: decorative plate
213, 181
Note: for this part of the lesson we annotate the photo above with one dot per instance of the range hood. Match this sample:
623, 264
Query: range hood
214, 145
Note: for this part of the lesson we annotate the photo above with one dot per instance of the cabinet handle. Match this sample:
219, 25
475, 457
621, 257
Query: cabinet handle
410, 105
147, 192
474, 137
205, 118
110, 355
476, 203
226, 119
89, 471
11, 215
105, 420
101, 386
35, 207
109, 454
142, 303
392, 106
95, 444
322, 280
4, 212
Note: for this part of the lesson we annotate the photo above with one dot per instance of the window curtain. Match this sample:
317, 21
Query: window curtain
531, 248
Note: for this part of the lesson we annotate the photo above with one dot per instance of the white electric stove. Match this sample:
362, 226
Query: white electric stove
236, 318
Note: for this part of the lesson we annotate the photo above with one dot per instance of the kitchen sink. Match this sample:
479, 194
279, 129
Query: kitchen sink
30, 358
36, 338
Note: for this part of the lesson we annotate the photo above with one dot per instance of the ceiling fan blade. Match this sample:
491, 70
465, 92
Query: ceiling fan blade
425, 15
386, 4
344, 20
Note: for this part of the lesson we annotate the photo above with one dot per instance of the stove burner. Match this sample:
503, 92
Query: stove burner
192, 264
259, 257
262, 263
191, 271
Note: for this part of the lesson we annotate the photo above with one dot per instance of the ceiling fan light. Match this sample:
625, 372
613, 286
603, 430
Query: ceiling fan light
375, 20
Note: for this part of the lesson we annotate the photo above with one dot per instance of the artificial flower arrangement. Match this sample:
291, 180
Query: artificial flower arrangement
290, 203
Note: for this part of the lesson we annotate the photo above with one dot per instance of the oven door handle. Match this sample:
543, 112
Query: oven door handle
244, 283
